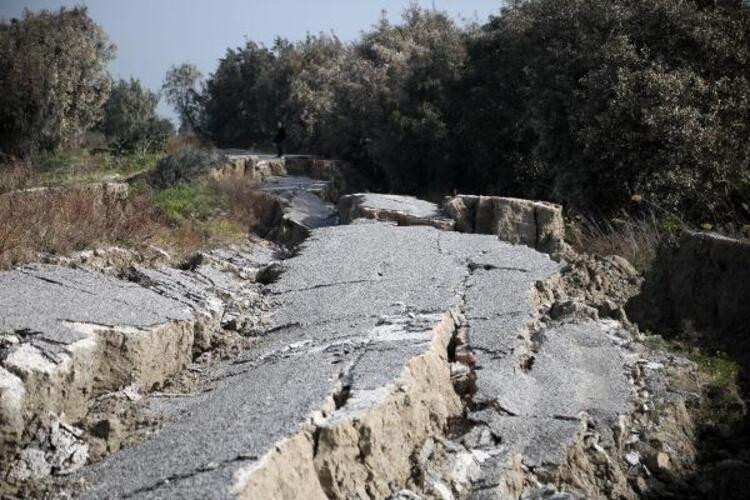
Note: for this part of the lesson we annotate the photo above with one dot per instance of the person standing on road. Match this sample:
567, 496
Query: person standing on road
279, 140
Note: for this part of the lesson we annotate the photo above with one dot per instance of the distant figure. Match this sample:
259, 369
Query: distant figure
279, 140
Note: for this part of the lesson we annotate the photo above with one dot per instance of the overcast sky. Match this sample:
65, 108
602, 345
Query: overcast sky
152, 35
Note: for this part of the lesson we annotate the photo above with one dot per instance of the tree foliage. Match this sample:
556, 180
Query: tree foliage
53, 78
592, 103
130, 121
398, 81
182, 89
254, 87
184, 166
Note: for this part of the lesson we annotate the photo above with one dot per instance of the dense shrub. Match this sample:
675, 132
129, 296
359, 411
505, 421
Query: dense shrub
185, 166
255, 87
53, 79
130, 121
593, 103
240, 101
397, 89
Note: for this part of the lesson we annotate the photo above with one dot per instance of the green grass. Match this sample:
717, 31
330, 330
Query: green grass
720, 369
185, 202
723, 395
657, 343
205, 208
722, 401
77, 166
222, 229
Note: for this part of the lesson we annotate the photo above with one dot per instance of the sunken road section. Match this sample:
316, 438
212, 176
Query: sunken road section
383, 338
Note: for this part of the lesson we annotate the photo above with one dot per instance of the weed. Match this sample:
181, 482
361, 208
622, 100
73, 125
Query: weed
719, 376
15, 176
191, 202
636, 239
182, 218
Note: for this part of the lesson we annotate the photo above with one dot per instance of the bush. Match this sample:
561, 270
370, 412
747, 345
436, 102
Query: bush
185, 166
583, 102
397, 88
241, 100
53, 79
16, 175
589, 103
637, 239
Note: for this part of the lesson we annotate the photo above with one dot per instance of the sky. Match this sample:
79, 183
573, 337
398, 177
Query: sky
152, 35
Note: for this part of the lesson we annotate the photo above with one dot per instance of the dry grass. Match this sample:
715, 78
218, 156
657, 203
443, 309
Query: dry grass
60, 221
636, 239
16, 175
248, 205
177, 142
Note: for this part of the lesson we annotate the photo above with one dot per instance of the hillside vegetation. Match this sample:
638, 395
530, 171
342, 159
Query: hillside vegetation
601, 105
618, 109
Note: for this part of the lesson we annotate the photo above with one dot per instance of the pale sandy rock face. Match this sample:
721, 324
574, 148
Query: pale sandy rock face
78, 331
536, 224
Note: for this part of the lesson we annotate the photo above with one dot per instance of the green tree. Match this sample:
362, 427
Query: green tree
393, 105
130, 120
240, 101
182, 89
53, 78
308, 72
590, 102
255, 87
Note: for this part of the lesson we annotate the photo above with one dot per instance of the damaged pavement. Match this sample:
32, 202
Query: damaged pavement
386, 358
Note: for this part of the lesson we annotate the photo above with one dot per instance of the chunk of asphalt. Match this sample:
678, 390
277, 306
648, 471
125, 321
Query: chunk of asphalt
78, 331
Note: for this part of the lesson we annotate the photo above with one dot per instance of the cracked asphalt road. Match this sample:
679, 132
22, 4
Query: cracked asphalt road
336, 299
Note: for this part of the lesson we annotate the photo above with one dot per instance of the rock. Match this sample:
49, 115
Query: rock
463, 210
602, 282
532, 223
633, 458
32, 464
301, 208
404, 495
704, 281
58, 450
660, 462
574, 310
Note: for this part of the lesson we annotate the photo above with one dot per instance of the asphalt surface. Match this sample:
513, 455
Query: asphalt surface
303, 200
42, 305
336, 299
